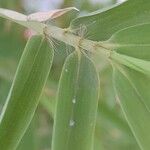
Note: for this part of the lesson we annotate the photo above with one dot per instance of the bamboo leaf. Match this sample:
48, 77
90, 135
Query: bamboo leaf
76, 105
49, 15
34, 21
132, 91
134, 63
25, 91
131, 62
21, 19
133, 41
102, 24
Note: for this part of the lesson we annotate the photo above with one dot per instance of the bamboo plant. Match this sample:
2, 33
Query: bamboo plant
123, 40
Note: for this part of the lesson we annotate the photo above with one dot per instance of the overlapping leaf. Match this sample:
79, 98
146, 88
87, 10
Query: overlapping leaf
35, 20
76, 105
25, 91
21, 19
131, 62
49, 15
133, 41
103, 23
132, 89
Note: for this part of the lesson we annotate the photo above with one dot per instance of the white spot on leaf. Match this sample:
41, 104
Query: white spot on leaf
71, 123
74, 100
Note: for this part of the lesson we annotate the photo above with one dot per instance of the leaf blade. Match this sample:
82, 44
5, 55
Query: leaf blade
49, 15
133, 41
111, 20
131, 61
131, 88
23, 98
134, 63
76, 105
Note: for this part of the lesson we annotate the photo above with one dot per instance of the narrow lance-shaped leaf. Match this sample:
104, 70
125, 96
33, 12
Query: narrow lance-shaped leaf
133, 41
25, 91
131, 62
131, 47
102, 24
76, 105
34, 21
49, 15
132, 92
21, 19
134, 63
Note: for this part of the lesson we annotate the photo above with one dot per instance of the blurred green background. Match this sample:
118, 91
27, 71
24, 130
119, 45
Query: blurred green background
112, 131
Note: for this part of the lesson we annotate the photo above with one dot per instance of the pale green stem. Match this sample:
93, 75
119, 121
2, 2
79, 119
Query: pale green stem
74, 40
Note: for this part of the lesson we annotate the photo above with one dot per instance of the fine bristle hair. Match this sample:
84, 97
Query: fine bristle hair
52, 43
82, 30
87, 53
84, 52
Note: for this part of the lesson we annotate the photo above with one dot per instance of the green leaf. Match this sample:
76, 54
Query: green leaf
49, 15
76, 105
21, 19
34, 21
7, 74
133, 41
30, 137
25, 91
104, 23
131, 62
132, 91
48, 102
134, 63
